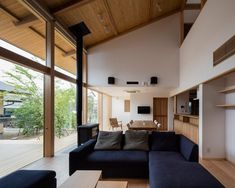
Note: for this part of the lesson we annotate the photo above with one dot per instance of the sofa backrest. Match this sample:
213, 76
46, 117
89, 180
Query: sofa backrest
164, 141
188, 149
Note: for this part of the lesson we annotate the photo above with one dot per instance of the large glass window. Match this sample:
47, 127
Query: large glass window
21, 116
65, 114
92, 106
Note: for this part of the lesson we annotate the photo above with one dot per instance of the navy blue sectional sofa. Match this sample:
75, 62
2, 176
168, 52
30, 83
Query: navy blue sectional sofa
29, 179
172, 161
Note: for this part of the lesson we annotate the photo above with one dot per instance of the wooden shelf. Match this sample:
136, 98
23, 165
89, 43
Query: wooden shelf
228, 89
226, 105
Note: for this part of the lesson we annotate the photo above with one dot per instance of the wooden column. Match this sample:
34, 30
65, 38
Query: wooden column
100, 110
49, 92
1, 111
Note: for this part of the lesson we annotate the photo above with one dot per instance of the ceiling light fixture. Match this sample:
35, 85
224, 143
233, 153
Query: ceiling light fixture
106, 29
101, 17
159, 7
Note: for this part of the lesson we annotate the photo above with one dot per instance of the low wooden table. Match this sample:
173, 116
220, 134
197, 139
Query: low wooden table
82, 179
112, 184
91, 179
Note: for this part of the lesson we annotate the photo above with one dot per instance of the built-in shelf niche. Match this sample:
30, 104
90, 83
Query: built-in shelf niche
226, 105
228, 89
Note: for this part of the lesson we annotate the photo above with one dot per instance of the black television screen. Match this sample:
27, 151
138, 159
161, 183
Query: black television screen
143, 109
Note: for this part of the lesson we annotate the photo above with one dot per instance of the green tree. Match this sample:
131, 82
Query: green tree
65, 101
29, 116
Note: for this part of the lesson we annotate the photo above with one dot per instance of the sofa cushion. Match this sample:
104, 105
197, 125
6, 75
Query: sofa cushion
29, 179
188, 149
164, 141
180, 175
165, 156
115, 157
109, 140
136, 140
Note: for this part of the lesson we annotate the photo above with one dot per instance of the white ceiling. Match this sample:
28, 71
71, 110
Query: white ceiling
122, 91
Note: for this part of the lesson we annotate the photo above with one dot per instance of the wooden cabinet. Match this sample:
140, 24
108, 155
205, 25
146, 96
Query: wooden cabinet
187, 125
87, 132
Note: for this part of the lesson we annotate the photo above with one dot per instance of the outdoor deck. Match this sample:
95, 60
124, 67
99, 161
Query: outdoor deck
16, 154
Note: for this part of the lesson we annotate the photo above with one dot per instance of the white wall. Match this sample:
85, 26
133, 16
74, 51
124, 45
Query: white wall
212, 125
213, 27
146, 99
230, 122
149, 51
141, 99
118, 110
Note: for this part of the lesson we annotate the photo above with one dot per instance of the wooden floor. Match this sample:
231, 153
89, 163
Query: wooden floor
223, 170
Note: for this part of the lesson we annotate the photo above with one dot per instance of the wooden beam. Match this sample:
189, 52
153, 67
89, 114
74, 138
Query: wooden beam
70, 53
203, 2
110, 16
9, 14
17, 20
49, 92
27, 21
136, 27
192, 7
23, 61
42, 12
65, 77
69, 5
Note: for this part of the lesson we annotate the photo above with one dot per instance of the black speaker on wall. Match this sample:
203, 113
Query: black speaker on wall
111, 80
154, 80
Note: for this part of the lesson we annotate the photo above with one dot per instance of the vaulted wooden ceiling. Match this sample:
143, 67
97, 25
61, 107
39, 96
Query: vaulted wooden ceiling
107, 19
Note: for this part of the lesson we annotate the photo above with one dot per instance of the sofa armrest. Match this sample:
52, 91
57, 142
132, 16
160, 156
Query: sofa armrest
78, 155
188, 149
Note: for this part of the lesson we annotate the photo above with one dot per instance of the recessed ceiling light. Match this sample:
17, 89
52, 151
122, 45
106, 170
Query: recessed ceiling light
106, 29
101, 17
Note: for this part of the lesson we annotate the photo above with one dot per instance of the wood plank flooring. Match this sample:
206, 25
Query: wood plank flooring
223, 170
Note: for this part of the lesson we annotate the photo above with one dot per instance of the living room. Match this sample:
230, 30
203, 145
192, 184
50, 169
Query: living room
163, 68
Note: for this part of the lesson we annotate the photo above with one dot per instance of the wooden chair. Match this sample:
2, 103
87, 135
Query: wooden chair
114, 123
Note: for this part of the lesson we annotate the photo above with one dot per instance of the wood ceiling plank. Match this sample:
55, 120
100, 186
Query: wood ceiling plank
161, 7
129, 13
22, 37
137, 27
89, 14
27, 21
112, 22
69, 5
